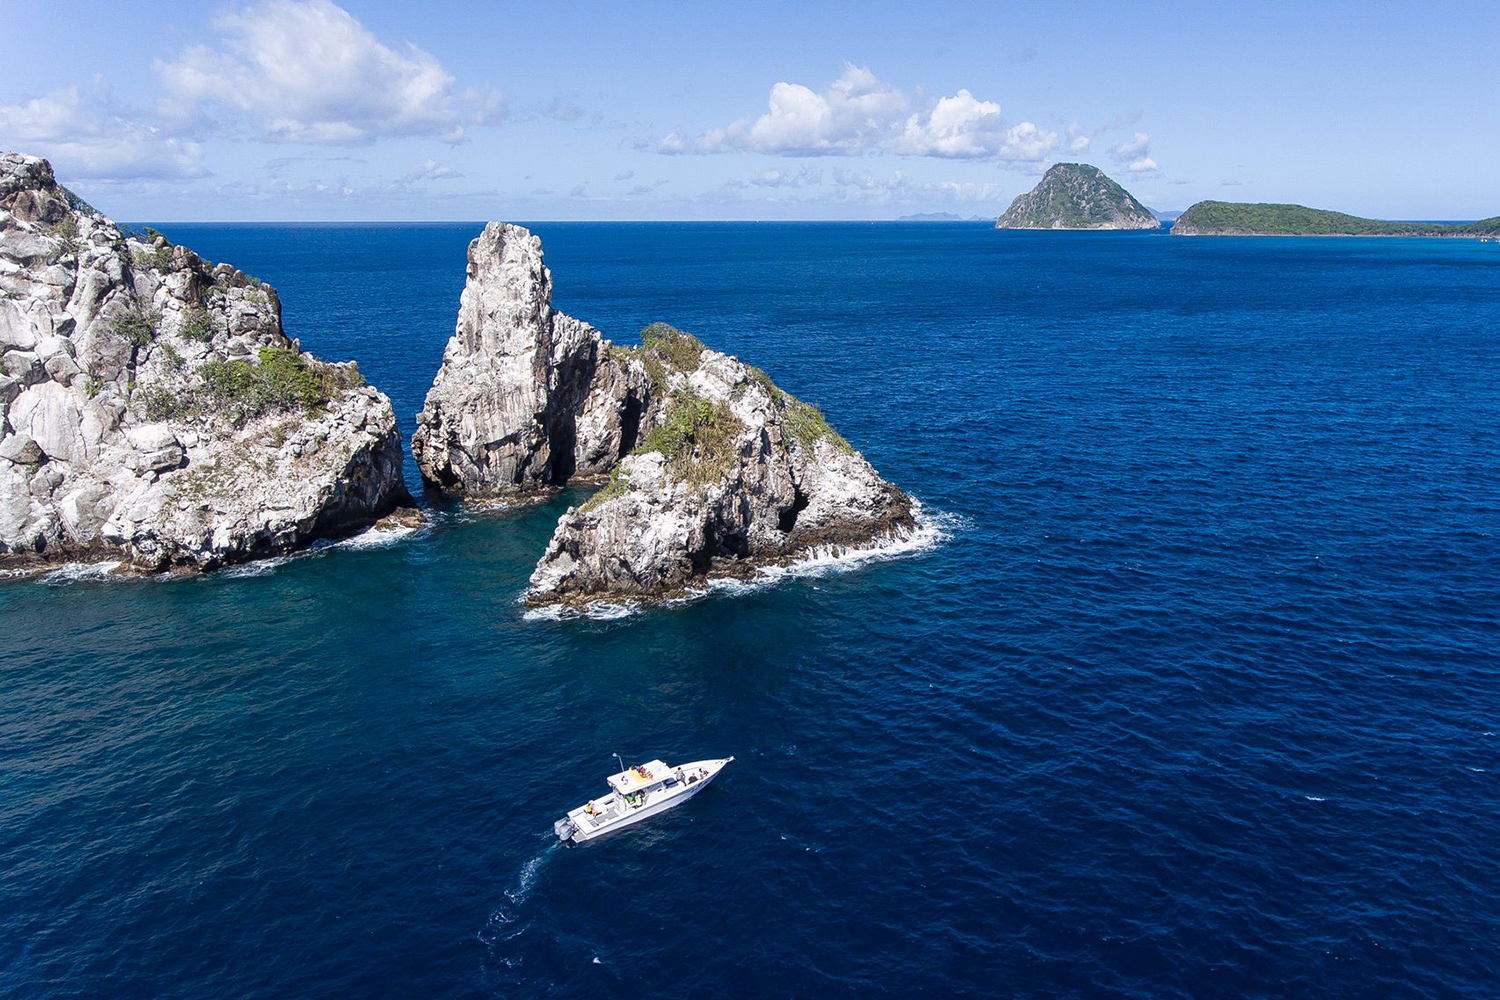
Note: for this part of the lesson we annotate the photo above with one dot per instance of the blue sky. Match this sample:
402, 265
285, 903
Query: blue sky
305, 109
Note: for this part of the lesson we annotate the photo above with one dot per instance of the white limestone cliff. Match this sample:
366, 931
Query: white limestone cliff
152, 410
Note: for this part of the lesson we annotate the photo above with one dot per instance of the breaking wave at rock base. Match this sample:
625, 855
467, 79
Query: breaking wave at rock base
932, 529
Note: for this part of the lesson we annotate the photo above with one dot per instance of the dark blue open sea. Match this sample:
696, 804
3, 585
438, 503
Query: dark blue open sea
1197, 695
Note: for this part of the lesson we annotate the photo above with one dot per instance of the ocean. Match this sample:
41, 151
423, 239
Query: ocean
1189, 690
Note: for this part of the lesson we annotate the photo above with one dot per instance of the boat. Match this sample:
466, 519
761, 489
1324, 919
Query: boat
636, 793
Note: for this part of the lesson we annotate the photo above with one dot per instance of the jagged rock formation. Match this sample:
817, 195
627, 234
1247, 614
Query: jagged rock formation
1236, 218
1077, 196
520, 400
730, 474
152, 409
713, 469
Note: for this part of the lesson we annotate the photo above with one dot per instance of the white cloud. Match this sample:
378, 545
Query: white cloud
89, 135
430, 170
802, 177
1135, 153
853, 111
308, 71
1077, 141
1133, 149
957, 126
858, 114
1027, 143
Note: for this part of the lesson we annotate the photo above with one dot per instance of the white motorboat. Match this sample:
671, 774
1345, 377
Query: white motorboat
637, 793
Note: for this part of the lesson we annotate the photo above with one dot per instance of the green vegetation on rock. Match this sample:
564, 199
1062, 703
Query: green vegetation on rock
663, 348
699, 437
696, 436
1231, 218
136, 323
68, 243
681, 351
197, 325
808, 424
76, 203
805, 421
279, 381
617, 485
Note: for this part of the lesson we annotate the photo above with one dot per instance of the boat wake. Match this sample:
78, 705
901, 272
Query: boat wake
505, 922
933, 528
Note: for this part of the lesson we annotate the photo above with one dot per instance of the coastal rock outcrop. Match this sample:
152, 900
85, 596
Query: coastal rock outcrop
520, 401
1077, 196
730, 473
713, 470
152, 409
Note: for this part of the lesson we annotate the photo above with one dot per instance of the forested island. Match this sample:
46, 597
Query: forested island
1230, 218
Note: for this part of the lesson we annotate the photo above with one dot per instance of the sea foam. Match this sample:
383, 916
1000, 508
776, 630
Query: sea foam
932, 529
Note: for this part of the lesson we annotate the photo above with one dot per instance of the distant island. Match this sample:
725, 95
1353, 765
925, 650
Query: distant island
1231, 218
940, 217
1077, 196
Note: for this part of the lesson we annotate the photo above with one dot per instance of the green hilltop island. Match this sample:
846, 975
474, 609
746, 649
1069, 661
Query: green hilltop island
1077, 196
1232, 218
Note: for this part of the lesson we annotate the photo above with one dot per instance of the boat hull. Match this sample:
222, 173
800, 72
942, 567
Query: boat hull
576, 826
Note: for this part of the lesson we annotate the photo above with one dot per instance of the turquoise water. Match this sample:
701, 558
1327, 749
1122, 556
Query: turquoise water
1195, 694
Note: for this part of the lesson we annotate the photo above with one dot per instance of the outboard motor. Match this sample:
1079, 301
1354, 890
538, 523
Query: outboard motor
564, 829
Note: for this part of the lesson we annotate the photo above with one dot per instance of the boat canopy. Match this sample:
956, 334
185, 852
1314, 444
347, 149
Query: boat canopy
632, 779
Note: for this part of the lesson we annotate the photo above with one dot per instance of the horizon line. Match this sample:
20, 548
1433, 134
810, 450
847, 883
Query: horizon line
545, 222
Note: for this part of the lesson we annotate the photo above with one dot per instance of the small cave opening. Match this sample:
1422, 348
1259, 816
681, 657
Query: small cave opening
786, 518
562, 463
630, 424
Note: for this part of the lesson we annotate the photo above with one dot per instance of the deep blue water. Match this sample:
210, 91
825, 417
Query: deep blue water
1199, 698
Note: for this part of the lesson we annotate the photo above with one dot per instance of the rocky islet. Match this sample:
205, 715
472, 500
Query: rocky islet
153, 410
712, 469
1077, 196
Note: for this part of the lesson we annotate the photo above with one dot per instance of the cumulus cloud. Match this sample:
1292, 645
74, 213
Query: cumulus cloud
1135, 153
90, 135
855, 110
859, 114
308, 71
1077, 141
958, 126
1133, 148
